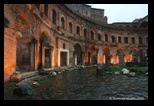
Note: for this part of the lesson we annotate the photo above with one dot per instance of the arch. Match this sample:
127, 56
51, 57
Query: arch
144, 24
44, 36
120, 51
107, 55
93, 54
113, 39
46, 33
120, 56
119, 39
133, 51
133, 40
99, 37
92, 35
78, 30
85, 33
126, 40
106, 37
54, 16
62, 22
78, 54
70, 27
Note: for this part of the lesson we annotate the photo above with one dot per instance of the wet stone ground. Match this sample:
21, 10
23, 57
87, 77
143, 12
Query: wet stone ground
84, 84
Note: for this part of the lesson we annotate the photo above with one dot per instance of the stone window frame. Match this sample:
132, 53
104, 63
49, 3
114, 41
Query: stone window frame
99, 37
78, 30
126, 40
106, 38
119, 39
62, 22
70, 27
85, 33
133, 40
113, 39
92, 35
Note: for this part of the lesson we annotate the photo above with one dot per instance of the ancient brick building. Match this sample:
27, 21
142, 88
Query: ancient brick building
50, 35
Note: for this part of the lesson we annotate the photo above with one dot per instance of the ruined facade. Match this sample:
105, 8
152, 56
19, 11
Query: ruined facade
40, 36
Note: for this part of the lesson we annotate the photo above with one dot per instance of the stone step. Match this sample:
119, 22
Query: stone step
29, 74
18, 76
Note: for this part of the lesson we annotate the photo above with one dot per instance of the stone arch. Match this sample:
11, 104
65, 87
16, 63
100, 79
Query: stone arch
93, 53
44, 36
113, 39
85, 33
45, 50
144, 24
78, 30
107, 54
99, 36
92, 35
106, 37
62, 22
70, 27
78, 54
133, 40
119, 39
120, 54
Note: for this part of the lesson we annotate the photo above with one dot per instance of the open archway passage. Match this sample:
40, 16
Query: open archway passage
78, 54
107, 55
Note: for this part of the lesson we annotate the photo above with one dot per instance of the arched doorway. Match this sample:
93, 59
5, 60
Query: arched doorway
120, 56
107, 55
92, 55
78, 54
45, 50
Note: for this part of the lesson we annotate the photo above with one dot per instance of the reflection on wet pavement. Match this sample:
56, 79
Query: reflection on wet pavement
83, 84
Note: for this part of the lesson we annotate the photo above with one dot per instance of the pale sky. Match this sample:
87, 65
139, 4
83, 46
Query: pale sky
122, 12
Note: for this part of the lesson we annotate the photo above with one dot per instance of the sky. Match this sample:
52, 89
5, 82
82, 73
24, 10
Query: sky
122, 12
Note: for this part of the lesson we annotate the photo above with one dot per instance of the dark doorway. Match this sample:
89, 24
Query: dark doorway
23, 55
63, 60
78, 54
107, 55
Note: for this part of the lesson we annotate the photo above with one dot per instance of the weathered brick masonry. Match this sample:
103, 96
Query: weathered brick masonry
40, 36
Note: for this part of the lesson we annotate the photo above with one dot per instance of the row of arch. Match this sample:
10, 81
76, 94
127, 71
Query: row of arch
86, 34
